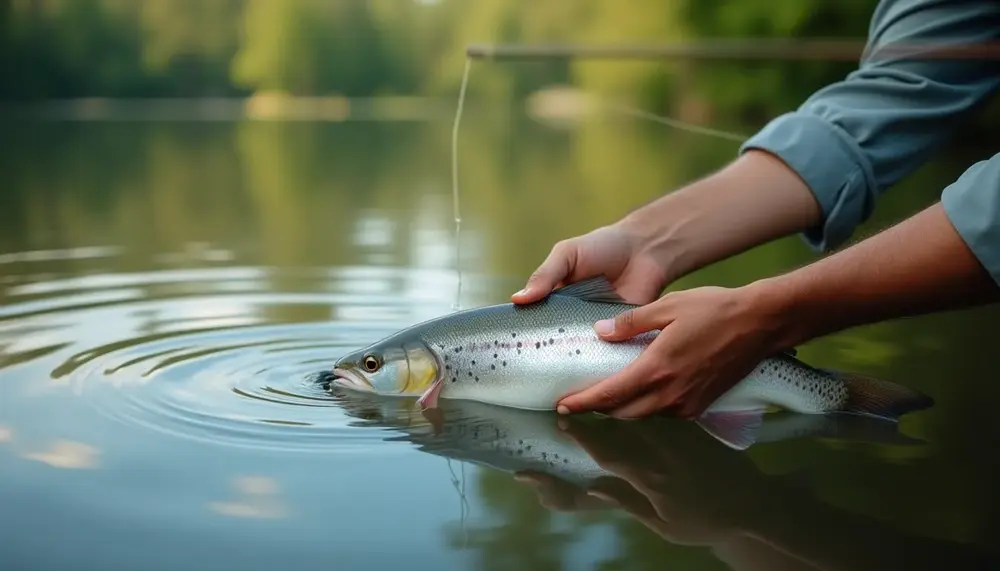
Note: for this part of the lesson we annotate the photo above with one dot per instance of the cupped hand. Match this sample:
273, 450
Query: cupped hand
611, 251
710, 338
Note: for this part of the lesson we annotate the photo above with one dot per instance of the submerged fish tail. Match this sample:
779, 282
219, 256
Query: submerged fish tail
879, 398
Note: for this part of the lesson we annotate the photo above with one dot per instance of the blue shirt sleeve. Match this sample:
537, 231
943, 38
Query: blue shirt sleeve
853, 139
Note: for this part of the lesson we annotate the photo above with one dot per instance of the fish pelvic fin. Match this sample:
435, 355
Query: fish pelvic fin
597, 289
879, 398
430, 397
737, 429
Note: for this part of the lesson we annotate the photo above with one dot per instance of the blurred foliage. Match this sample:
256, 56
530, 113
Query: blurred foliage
192, 48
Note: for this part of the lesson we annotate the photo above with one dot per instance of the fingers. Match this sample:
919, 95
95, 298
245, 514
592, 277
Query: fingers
557, 266
636, 378
647, 404
642, 375
634, 321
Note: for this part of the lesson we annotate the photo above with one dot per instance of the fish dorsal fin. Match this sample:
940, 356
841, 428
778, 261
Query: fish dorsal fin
597, 289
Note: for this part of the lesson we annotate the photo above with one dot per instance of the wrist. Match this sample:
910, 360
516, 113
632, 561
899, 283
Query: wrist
675, 229
772, 303
693, 226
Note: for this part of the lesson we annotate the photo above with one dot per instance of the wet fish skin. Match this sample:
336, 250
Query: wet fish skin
530, 356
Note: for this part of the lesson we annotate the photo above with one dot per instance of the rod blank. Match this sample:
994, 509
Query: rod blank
764, 49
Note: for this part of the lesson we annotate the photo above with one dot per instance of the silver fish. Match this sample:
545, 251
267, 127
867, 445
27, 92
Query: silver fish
530, 356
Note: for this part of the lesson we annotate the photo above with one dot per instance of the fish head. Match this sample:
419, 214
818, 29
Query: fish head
403, 367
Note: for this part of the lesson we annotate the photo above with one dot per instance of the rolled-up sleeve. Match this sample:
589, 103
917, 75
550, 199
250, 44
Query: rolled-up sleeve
854, 139
972, 204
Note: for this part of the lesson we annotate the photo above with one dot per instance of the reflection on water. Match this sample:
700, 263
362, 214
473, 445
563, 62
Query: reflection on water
671, 478
67, 454
170, 293
259, 497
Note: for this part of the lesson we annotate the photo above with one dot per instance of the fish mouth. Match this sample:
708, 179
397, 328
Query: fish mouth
351, 380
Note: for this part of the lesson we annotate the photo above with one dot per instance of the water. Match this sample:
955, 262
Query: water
169, 292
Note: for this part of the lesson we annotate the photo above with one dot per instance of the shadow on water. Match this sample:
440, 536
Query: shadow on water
674, 479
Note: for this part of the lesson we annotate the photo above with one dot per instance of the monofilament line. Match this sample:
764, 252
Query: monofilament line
676, 124
454, 183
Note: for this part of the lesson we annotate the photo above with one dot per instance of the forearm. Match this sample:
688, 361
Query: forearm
753, 200
919, 266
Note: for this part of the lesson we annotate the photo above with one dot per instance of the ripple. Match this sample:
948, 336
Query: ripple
214, 355
254, 386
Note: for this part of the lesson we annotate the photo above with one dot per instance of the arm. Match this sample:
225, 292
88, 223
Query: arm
753, 200
848, 143
815, 171
946, 257
852, 140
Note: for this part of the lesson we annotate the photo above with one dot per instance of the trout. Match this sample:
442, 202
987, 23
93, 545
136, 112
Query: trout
530, 356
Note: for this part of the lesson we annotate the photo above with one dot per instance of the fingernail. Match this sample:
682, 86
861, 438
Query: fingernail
521, 292
605, 327
562, 409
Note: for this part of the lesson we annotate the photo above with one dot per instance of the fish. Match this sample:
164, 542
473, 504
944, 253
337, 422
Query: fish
530, 356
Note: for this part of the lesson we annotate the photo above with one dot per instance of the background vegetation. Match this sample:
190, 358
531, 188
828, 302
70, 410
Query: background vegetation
197, 48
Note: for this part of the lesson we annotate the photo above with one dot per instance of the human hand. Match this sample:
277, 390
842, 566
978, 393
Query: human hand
710, 338
612, 251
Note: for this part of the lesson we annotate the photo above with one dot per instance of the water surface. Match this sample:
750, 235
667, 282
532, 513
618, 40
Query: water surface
168, 292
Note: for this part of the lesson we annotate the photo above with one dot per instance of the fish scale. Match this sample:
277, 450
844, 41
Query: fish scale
522, 357
530, 356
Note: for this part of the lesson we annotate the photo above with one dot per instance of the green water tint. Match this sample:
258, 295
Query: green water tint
169, 290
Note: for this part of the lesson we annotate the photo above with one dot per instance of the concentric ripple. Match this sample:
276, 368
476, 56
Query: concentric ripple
219, 355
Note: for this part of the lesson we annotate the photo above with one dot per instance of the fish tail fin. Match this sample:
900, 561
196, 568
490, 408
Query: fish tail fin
879, 398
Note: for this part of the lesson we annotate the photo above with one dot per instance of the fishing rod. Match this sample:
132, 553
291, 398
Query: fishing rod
783, 49
744, 49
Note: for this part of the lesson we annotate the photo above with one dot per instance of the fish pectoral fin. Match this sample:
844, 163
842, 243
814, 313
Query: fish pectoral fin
737, 429
597, 289
430, 397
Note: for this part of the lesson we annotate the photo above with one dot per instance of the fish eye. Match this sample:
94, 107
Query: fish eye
371, 363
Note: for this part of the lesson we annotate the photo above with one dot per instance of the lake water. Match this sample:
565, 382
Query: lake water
169, 292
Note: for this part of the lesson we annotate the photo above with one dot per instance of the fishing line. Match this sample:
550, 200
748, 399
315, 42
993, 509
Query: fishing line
616, 107
677, 124
454, 182
463, 505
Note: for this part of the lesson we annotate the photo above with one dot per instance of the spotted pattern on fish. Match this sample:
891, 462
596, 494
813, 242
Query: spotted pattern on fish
531, 356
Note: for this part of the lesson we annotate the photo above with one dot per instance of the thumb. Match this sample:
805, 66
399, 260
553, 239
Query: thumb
630, 323
556, 267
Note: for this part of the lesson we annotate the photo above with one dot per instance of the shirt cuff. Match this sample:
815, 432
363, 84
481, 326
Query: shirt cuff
832, 165
972, 204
